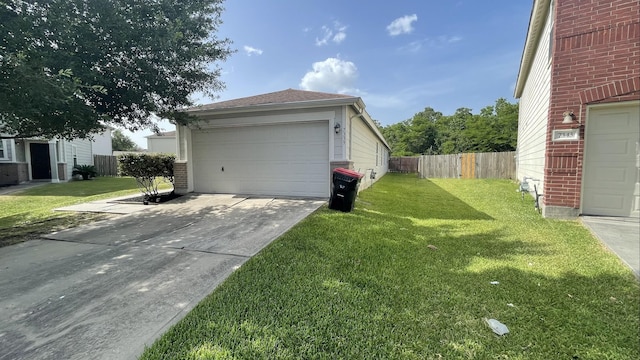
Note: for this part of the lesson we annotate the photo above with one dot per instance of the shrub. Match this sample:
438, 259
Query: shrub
145, 168
86, 171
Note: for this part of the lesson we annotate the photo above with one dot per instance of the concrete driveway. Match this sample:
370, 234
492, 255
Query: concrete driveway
621, 235
105, 290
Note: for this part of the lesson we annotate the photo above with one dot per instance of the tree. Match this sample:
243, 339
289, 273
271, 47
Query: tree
68, 67
495, 129
421, 139
414, 136
452, 138
395, 136
121, 142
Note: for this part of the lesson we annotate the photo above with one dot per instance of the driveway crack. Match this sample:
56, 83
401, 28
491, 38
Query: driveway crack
208, 252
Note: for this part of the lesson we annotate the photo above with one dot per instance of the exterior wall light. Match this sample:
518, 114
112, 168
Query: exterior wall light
568, 117
336, 128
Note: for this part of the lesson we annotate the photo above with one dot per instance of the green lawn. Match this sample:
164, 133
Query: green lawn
366, 285
28, 214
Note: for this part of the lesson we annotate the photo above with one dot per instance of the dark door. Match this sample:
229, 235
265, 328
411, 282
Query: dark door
40, 161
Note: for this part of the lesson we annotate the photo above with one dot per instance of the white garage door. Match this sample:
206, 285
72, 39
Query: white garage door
610, 170
285, 159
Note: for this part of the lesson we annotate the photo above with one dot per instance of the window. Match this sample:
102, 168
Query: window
377, 154
4, 154
74, 154
59, 151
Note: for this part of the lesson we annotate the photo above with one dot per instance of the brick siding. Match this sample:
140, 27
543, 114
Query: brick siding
180, 176
596, 59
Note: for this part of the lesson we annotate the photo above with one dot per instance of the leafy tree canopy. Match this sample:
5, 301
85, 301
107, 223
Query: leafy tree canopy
121, 142
430, 132
68, 67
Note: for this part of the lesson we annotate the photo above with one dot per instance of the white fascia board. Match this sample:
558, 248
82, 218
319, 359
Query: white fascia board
273, 107
537, 22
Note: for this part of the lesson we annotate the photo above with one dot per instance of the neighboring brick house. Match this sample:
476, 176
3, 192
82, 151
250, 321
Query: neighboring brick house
579, 91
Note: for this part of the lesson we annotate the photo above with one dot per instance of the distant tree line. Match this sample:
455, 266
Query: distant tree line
429, 132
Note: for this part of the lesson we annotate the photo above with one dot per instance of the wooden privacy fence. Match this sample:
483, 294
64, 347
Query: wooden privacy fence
106, 165
500, 165
405, 164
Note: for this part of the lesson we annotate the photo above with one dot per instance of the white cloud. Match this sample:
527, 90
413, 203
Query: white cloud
337, 34
251, 50
331, 75
339, 37
437, 42
325, 38
402, 25
449, 39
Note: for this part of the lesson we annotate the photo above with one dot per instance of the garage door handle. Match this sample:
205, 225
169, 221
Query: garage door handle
222, 168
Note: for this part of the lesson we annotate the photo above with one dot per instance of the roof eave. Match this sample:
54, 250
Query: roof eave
275, 106
537, 22
360, 109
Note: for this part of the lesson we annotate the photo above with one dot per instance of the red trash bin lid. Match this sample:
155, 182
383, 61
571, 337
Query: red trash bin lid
348, 172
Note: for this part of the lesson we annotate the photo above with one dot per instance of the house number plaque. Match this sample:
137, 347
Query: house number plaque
566, 135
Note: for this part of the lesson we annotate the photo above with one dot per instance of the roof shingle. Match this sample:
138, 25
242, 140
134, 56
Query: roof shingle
278, 97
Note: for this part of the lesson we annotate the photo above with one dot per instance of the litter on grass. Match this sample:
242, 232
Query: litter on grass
432, 247
510, 305
494, 282
497, 327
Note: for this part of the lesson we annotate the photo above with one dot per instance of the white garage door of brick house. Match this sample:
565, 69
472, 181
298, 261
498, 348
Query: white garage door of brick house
610, 176
289, 159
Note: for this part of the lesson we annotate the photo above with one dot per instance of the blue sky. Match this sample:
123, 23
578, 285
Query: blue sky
399, 56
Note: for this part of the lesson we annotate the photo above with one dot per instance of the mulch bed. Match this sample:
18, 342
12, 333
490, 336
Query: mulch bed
161, 198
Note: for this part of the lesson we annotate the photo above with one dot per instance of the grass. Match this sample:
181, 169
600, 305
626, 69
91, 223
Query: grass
367, 285
29, 214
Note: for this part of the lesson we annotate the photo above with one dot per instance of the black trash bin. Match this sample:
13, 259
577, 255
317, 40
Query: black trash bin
344, 189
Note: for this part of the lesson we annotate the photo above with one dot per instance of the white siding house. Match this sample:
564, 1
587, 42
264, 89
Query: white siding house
164, 142
101, 144
23, 160
368, 149
284, 143
534, 105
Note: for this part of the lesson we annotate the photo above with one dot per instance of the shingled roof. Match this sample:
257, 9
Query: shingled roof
288, 96
164, 133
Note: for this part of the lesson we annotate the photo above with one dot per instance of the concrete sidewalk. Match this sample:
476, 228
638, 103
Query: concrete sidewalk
11, 189
620, 234
107, 289
111, 206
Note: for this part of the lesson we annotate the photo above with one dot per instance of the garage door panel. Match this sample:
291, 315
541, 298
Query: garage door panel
608, 176
606, 146
606, 202
610, 171
283, 159
611, 121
